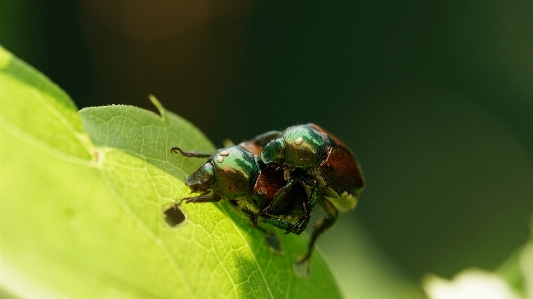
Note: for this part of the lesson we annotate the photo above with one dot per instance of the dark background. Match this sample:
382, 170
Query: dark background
436, 99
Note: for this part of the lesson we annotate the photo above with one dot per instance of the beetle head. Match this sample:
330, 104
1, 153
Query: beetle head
202, 179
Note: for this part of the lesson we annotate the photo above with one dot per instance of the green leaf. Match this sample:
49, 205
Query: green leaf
83, 199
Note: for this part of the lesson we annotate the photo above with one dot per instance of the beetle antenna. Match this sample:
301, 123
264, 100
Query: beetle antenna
191, 154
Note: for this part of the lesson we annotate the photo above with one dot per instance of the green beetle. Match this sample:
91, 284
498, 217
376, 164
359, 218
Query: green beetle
313, 156
235, 173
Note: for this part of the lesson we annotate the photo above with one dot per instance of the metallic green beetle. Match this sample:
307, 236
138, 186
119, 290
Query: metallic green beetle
313, 156
235, 173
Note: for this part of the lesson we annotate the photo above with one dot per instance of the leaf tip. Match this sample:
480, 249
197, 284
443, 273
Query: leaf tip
157, 105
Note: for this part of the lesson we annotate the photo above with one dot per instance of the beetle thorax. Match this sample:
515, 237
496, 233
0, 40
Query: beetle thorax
235, 171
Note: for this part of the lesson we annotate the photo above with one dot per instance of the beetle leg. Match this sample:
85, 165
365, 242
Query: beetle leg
278, 222
190, 154
301, 224
321, 226
280, 194
255, 219
201, 198
307, 207
274, 221
270, 237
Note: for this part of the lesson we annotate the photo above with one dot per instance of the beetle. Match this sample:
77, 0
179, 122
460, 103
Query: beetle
236, 173
315, 157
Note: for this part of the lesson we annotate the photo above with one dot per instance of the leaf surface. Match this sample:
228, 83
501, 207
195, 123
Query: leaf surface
83, 200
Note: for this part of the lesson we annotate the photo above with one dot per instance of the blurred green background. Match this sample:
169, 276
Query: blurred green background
436, 100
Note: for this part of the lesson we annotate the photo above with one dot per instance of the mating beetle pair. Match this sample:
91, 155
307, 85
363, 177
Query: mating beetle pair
264, 178
235, 173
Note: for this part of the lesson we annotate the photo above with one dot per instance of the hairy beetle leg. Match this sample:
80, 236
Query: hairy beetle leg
321, 226
201, 198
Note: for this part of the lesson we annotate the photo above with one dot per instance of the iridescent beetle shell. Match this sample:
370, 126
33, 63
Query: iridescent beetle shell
309, 152
228, 173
